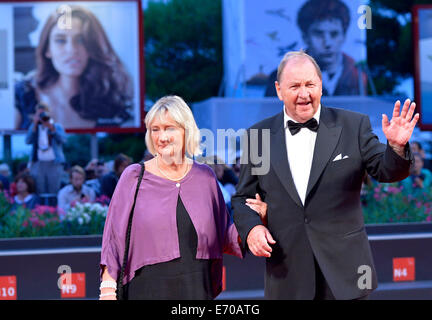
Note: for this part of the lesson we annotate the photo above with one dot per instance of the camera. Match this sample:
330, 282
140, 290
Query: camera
44, 116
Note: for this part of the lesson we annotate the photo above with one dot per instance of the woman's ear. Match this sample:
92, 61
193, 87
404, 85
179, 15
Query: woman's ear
48, 54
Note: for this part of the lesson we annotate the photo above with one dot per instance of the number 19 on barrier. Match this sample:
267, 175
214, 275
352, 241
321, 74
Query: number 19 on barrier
8, 288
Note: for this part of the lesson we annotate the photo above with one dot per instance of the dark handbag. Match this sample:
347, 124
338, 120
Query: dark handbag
121, 290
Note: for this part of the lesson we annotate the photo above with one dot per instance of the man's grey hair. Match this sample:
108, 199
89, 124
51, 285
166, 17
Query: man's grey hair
292, 55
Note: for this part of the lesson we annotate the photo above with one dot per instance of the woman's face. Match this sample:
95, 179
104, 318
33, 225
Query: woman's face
168, 137
66, 49
21, 186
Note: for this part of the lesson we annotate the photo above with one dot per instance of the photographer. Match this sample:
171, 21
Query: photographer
420, 179
47, 138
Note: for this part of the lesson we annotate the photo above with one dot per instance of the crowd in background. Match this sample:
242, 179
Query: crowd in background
420, 179
47, 179
99, 179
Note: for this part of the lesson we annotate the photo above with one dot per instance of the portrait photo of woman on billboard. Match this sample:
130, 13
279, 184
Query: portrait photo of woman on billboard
78, 75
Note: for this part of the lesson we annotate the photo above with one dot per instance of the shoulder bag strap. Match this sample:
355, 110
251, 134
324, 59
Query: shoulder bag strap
120, 293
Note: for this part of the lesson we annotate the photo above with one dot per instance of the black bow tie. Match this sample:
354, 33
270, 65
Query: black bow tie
294, 127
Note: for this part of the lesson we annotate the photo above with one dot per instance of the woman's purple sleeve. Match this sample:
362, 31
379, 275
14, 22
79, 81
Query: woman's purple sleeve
114, 235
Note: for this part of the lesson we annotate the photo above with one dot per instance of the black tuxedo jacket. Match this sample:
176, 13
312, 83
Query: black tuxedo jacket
330, 226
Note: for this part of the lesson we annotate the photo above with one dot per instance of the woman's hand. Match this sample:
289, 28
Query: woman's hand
259, 206
107, 293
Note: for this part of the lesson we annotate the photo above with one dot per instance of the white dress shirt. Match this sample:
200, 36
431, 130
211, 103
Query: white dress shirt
300, 149
67, 195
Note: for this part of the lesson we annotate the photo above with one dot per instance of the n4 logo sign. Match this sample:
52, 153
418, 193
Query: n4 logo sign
404, 269
8, 288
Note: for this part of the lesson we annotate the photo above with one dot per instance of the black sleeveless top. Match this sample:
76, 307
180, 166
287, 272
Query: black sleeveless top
184, 278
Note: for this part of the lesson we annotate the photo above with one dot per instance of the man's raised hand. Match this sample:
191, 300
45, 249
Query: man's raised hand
398, 131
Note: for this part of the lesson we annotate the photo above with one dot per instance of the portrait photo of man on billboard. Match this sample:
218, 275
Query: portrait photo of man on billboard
422, 25
325, 29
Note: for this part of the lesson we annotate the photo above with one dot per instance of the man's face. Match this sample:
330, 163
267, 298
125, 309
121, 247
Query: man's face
100, 170
324, 40
418, 165
77, 180
300, 89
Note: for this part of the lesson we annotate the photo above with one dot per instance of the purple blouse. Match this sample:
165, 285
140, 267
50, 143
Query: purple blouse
154, 236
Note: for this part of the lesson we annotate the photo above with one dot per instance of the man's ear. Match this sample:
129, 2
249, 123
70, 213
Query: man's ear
278, 89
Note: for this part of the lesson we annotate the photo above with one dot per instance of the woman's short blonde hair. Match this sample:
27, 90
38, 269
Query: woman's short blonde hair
181, 113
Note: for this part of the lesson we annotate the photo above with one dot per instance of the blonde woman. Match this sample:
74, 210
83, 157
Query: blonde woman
180, 225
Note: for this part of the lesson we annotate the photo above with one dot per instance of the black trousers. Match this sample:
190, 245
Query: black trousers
322, 289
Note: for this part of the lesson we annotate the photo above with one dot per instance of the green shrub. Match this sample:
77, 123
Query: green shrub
386, 203
42, 221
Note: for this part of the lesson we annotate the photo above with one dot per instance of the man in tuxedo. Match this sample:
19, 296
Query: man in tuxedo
315, 241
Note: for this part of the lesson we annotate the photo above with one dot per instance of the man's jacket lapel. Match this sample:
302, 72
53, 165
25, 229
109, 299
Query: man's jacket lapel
279, 158
327, 138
